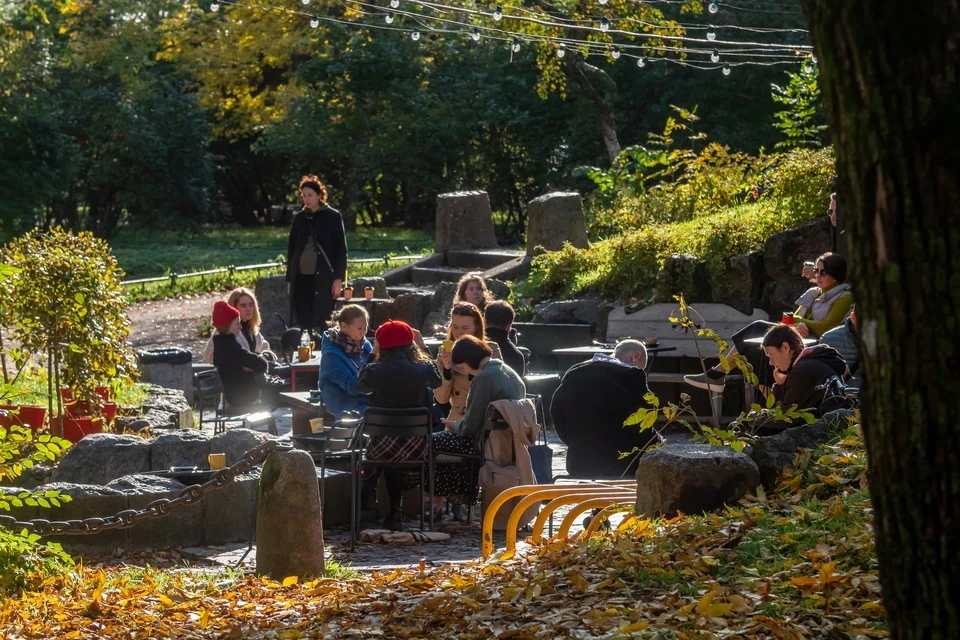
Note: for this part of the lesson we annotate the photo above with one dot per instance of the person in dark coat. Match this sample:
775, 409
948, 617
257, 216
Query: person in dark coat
797, 372
400, 378
242, 372
589, 408
498, 318
316, 257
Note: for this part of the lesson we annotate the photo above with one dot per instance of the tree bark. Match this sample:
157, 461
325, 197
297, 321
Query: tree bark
601, 90
890, 81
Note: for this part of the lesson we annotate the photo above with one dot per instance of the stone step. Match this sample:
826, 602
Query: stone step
481, 259
435, 275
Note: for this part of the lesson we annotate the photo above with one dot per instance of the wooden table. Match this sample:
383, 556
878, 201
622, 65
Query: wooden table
307, 372
303, 409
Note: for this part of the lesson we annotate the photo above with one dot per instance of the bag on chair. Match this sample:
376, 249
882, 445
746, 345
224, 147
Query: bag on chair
541, 457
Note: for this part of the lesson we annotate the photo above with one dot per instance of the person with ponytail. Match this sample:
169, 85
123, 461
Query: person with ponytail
344, 350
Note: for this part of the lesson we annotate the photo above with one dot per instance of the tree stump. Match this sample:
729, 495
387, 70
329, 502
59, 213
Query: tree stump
553, 219
464, 221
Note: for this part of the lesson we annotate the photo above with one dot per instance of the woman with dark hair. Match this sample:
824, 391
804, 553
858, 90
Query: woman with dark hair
316, 257
344, 350
473, 289
492, 380
797, 371
399, 379
819, 309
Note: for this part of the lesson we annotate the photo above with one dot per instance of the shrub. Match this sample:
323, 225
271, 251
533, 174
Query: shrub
25, 561
800, 180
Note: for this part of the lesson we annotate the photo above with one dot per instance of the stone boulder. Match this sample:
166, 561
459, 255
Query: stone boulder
182, 527
272, 298
380, 313
464, 221
379, 286
236, 442
785, 252
433, 320
499, 288
412, 308
181, 448
443, 297
692, 478
163, 406
102, 457
781, 295
773, 453
553, 219
741, 283
229, 510
584, 311
683, 273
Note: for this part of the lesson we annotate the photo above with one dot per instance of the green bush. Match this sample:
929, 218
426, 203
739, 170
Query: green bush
800, 180
25, 561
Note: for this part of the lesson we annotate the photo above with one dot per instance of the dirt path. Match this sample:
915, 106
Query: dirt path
171, 323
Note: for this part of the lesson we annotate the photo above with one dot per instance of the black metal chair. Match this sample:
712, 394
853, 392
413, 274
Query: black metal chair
413, 422
208, 388
344, 441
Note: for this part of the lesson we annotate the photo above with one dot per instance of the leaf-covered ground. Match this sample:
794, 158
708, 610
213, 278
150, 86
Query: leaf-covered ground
795, 564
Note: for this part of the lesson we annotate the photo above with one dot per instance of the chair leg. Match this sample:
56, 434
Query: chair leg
423, 507
353, 503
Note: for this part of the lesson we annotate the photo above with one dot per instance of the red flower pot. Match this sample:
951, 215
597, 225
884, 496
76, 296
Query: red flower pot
76, 428
66, 394
27, 415
78, 408
109, 412
103, 392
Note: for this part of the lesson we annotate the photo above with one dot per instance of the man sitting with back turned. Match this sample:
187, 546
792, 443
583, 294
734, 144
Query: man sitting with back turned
590, 405
498, 317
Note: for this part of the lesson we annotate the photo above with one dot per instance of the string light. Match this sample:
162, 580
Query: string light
615, 53
715, 56
603, 1
476, 34
214, 6
415, 35
726, 70
305, 2
388, 18
314, 22
498, 14
712, 34
515, 47
604, 24
641, 62
562, 51
713, 7
394, 4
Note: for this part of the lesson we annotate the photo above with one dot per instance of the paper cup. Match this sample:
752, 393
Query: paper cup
217, 461
316, 425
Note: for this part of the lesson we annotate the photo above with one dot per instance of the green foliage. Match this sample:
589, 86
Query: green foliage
25, 561
67, 301
802, 121
800, 180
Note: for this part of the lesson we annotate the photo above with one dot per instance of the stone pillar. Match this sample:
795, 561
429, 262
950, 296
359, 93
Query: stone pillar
553, 219
289, 520
464, 221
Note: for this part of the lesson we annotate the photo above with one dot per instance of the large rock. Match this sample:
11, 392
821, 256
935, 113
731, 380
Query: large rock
443, 297
181, 527
272, 298
181, 448
289, 519
692, 478
163, 406
773, 453
380, 313
785, 252
412, 308
229, 511
102, 457
683, 273
236, 442
583, 311
379, 286
553, 219
499, 288
740, 285
781, 295
464, 221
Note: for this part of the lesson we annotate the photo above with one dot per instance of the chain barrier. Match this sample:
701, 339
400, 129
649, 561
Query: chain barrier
156, 509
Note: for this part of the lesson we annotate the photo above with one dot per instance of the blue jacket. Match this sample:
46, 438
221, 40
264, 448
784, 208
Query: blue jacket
338, 377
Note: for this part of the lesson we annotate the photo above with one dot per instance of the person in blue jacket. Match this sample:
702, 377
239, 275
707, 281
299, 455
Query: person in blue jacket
344, 349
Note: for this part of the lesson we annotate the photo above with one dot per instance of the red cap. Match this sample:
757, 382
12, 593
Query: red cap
394, 333
223, 313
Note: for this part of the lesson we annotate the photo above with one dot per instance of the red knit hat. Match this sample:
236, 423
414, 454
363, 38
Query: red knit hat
223, 314
394, 333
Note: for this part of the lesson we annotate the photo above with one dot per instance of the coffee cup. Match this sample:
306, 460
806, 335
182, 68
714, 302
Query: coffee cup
368, 293
447, 346
303, 354
316, 425
314, 393
348, 293
787, 318
217, 461
650, 342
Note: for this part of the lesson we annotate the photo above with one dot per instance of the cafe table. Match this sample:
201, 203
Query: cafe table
303, 408
304, 374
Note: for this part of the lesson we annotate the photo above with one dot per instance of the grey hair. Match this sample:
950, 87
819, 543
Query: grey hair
627, 348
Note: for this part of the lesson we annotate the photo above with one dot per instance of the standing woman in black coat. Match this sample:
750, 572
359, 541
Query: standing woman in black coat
316, 257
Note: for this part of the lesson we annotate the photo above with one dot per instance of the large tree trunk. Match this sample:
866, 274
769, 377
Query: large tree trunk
601, 90
889, 75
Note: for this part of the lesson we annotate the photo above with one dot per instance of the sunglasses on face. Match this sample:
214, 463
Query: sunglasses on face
821, 272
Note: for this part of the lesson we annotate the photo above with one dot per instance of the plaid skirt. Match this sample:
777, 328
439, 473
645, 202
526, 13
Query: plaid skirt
397, 449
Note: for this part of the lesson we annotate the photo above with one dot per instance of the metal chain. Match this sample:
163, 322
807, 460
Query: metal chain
156, 509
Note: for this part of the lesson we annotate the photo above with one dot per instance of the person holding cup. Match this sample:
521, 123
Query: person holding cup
344, 350
465, 319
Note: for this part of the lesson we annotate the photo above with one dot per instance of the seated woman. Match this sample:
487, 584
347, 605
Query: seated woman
241, 371
797, 372
249, 336
473, 289
844, 339
465, 319
344, 349
819, 309
492, 380
398, 379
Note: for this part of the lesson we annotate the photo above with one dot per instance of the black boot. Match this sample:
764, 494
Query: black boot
394, 521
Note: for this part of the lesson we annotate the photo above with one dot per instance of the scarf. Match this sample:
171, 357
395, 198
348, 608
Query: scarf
815, 304
346, 344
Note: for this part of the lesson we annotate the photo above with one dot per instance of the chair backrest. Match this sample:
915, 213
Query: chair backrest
208, 389
343, 435
416, 421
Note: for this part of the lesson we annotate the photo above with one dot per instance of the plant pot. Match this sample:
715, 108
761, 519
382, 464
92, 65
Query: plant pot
27, 415
109, 412
76, 428
66, 395
104, 392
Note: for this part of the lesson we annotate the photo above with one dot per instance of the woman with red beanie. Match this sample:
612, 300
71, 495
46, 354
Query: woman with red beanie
399, 379
241, 371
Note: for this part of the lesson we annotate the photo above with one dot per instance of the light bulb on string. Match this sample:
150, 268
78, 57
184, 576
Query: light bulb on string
214, 6
314, 22
388, 18
726, 70
562, 51
603, 1
476, 34
604, 24
415, 35
713, 7
715, 56
615, 53
497, 14
712, 33
515, 46
394, 4
641, 62
305, 2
